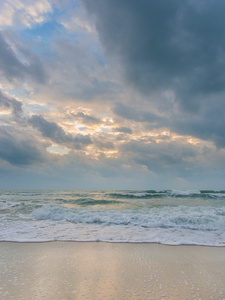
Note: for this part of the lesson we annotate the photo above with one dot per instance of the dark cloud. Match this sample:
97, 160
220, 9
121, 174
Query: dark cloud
175, 47
162, 44
160, 157
48, 129
86, 119
18, 62
54, 132
123, 130
11, 103
207, 125
19, 149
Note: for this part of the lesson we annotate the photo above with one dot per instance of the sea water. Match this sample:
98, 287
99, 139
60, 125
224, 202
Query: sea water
167, 217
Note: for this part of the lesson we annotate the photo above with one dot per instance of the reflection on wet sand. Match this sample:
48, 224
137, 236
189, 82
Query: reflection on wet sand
76, 270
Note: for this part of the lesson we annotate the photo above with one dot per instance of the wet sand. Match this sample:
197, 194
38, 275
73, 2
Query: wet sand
86, 270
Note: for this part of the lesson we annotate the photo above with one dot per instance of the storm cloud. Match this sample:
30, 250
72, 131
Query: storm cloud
19, 150
175, 47
163, 45
54, 132
112, 93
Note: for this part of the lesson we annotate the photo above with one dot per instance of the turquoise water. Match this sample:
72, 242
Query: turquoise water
168, 217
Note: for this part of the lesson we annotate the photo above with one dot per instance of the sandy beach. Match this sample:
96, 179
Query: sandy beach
96, 270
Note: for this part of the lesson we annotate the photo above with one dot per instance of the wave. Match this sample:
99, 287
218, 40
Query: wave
207, 194
194, 218
92, 195
88, 201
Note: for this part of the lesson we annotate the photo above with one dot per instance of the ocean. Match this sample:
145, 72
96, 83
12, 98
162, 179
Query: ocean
168, 217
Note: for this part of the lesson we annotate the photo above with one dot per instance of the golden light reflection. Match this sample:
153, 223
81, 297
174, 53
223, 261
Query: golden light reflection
75, 127
193, 141
105, 131
5, 112
111, 153
97, 153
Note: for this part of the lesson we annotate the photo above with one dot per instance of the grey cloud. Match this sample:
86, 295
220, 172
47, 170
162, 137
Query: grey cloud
11, 103
130, 113
86, 119
170, 45
176, 46
163, 44
159, 157
208, 125
54, 132
104, 145
83, 73
123, 130
17, 149
48, 129
100, 88
13, 68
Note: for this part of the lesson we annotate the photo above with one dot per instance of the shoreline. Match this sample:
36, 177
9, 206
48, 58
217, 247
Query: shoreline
116, 242
95, 270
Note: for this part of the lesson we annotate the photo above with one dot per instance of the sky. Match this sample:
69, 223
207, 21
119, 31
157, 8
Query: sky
112, 94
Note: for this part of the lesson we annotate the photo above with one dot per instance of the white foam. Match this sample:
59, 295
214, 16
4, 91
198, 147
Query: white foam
196, 218
185, 193
136, 194
62, 231
161, 220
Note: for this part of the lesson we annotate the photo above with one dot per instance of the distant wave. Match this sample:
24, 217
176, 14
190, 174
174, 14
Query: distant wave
88, 201
61, 195
169, 193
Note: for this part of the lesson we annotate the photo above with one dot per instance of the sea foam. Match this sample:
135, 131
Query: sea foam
169, 217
